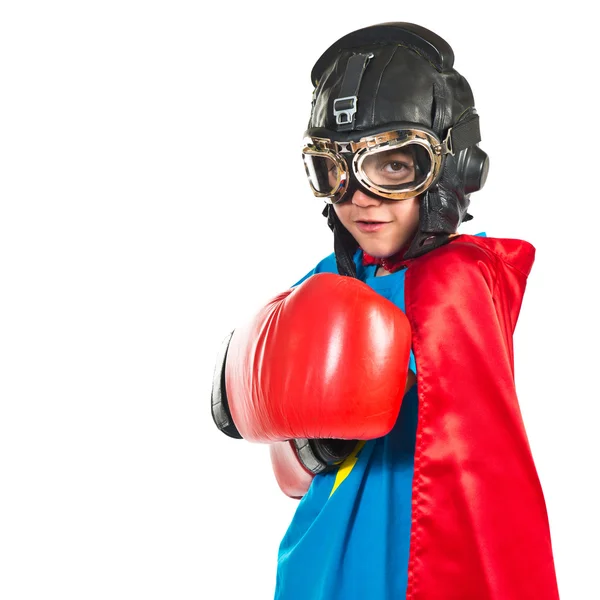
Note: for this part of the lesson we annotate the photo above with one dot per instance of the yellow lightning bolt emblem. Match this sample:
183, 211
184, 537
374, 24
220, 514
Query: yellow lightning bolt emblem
346, 467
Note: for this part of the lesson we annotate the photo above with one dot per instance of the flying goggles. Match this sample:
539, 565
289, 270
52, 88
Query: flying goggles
394, 165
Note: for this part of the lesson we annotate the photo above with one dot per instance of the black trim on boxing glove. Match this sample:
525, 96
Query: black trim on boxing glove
323, 456
220, 407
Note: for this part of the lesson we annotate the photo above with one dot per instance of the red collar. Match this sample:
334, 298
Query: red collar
389, 263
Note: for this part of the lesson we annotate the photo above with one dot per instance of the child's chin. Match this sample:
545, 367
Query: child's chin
380, 250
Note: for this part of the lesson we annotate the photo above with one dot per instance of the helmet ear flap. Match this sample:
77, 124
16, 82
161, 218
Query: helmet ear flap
472, 165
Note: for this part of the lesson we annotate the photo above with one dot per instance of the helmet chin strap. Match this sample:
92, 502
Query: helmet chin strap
344, 245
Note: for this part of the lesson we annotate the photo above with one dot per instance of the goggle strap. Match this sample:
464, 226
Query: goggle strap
465, 134
345, 106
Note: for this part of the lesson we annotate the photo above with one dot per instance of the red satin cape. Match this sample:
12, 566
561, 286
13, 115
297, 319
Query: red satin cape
479, 522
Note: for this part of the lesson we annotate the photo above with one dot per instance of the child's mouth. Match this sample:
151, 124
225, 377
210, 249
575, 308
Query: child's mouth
369, 226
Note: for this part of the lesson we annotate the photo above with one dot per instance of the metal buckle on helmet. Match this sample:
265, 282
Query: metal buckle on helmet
447, 143
344, 109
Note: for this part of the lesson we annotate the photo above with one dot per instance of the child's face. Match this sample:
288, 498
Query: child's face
382, 227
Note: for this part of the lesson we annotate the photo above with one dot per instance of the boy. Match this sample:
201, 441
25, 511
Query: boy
423, 491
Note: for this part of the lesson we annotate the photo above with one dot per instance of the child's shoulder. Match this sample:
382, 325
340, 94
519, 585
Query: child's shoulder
464, 250
327, 265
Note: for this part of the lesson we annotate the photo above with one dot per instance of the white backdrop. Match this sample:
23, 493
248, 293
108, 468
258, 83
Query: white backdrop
152, 195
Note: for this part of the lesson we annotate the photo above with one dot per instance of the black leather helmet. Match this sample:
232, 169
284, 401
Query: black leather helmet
400, 76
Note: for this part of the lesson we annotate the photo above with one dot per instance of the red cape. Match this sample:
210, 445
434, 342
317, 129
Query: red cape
480, 528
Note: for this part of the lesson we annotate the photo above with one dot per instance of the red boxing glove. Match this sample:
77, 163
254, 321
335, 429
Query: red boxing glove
292, 477
327, 359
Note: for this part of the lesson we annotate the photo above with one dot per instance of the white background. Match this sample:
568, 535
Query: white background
152, 195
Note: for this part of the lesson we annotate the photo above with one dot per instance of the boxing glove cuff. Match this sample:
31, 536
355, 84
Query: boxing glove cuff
220, 407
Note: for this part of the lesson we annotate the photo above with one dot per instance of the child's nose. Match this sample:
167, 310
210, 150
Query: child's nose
361, 199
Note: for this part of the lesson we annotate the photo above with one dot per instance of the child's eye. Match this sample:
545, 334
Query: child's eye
396, 166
